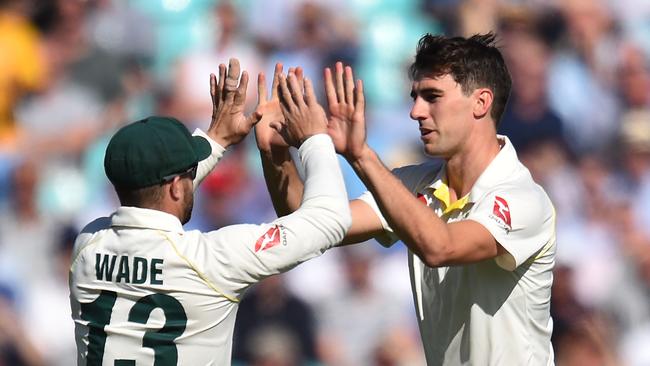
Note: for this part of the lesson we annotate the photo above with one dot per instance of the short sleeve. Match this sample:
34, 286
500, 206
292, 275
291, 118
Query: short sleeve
521, 221
413, 177
387, 238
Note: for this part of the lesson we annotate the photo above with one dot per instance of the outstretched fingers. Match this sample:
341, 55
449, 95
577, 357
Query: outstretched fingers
286, 102
310, 96
220, 85
261, 88
295, 87
240, 96
340, 90
349, 86
231, 80
359, 98
300, 75
213, 88
276, 80
330, 91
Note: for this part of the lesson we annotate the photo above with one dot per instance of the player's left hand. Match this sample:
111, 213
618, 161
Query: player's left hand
229, 125
346, 125
304, 117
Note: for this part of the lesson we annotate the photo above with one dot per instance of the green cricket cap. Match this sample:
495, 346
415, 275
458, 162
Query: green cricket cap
140, 154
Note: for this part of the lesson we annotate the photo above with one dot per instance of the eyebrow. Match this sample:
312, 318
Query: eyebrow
429, 90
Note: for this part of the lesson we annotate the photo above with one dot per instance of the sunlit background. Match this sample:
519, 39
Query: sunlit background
72, 72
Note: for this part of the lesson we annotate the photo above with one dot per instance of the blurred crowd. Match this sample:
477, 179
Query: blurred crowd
73, 71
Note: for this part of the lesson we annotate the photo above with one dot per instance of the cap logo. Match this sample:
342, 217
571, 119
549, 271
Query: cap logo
270, 239
501, 210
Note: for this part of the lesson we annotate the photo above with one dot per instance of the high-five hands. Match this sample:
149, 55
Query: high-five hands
304, 117
229, 125
266, 136
347, 126
292, 113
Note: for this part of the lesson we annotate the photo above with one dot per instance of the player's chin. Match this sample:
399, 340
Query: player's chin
432, 150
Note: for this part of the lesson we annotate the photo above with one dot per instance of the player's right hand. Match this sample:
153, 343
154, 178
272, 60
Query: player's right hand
266, 136
304, 117
229, 125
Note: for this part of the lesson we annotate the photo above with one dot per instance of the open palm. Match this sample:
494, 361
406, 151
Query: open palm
229, 124
265, 133
346, 125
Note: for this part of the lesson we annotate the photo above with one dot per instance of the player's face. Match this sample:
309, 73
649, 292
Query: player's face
443, 113
188, 202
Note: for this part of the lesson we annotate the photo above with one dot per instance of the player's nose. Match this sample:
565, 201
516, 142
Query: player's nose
418, 110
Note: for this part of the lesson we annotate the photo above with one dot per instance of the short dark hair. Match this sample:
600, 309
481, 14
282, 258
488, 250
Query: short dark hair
140, 197
473, 62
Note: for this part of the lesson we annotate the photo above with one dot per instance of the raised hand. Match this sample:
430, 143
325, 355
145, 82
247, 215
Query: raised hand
266, 136
229, 125
304, 117
346, 125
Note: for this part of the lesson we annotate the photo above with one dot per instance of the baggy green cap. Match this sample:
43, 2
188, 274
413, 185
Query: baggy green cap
140, 154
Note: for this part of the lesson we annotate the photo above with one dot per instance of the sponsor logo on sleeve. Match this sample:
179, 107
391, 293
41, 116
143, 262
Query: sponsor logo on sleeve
501, 213
422, 198
270, 239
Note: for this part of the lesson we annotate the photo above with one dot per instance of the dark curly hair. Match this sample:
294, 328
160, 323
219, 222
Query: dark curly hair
473, 62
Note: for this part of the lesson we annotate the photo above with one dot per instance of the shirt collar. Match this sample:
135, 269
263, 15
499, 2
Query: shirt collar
143, 218
503, 165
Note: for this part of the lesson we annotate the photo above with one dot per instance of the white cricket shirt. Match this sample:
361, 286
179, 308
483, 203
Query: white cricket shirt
146, 292
497, 311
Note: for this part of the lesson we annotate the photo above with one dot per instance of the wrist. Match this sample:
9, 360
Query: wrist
219, 139
278, 155
307, 137
358, 160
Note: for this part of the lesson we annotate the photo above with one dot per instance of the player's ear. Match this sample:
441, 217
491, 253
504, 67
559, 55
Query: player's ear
176, 188
483, 98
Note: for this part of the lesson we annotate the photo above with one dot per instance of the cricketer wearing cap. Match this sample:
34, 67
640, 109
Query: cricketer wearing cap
146, 292
480, 231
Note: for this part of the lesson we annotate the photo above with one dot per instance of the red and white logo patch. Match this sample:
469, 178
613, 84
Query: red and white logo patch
270, 239
501, 210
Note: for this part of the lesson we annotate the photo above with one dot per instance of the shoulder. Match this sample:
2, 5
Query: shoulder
519, 203
91, 230
414, 176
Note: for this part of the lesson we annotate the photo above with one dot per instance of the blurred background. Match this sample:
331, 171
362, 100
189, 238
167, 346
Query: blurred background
72, 72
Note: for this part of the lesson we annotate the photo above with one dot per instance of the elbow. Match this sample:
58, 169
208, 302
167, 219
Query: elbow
433, 253
345, 219
432, 259
333, 217
342, 219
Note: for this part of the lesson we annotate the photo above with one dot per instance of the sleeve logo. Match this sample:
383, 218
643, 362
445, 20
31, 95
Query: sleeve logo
422, 198
270, 239
502, 211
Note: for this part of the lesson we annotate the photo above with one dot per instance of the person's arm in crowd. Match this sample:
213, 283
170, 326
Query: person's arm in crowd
12, 335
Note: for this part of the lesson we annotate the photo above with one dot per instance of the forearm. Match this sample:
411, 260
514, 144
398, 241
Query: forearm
282, 180
414, 223
324, 203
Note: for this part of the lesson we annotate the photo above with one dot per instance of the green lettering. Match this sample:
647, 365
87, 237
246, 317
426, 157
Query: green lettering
156, 271
104, 269
123, 272
139, 264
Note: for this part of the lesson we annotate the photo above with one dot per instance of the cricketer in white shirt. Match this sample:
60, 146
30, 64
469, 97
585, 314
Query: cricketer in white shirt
497, 311
146, 292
